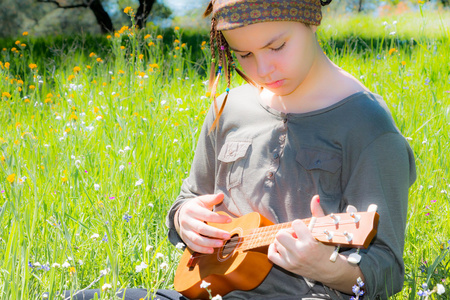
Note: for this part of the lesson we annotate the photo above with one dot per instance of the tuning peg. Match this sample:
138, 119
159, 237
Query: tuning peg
312, 222
348, 236
354, 258
355, 217
335, 218
351, 209
328, 234
372, 208
335, 253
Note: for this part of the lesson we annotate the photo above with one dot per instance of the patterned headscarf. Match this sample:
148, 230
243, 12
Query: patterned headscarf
232, 14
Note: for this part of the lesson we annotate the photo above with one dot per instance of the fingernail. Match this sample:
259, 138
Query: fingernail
226, 236
318, 199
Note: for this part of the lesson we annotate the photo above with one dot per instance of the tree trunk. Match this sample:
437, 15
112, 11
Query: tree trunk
445, 3
145, 7
360, 6
102, 16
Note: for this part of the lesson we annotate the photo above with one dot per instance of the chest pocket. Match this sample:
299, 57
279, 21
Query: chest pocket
234, 156
320, 171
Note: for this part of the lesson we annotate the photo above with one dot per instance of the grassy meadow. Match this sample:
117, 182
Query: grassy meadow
97, 133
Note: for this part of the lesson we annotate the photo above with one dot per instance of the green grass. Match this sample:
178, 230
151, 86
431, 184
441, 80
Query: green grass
67, 142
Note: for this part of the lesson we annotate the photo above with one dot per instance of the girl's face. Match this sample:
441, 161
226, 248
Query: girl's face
276, 55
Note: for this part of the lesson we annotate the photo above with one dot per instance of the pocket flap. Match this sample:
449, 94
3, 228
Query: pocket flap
312, 159
233, 150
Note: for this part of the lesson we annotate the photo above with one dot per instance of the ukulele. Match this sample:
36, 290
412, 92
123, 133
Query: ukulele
242, 263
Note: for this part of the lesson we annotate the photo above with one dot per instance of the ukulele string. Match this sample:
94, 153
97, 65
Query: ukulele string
249, 238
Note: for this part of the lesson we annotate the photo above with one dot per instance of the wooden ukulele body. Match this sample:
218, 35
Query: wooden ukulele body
225, 270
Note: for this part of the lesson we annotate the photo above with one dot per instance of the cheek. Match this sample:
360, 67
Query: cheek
249, 66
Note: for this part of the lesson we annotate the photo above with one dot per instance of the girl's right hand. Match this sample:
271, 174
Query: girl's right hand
195, 233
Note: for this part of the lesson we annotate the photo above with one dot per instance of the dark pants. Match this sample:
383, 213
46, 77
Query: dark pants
128, 294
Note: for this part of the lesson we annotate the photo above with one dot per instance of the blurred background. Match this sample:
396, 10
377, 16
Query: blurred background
54, 17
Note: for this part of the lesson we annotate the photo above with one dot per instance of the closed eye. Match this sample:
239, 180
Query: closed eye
279, 48
275, 49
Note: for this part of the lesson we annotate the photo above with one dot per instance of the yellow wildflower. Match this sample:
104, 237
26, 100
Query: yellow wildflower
203, 43
11, 178
76, 69
177, 48
32, 66
141, 56
151, 44
122, 47
183, 45
25, 33
147, 36
403, 63
31, 87
117, 35
176, 28
7, 65
159, 37
64, 179
48, 100
141, 74
392, 50
92, 54
108, 36
127, 10
71, 77
176, 41
13, 49
6, 94
88, 67
49, 95
23, 45
17, 42
99, 59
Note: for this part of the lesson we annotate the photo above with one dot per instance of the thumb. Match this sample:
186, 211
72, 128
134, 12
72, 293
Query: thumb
316, 209
209, 201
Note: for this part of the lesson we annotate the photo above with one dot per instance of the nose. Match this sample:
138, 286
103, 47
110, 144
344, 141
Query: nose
264, 67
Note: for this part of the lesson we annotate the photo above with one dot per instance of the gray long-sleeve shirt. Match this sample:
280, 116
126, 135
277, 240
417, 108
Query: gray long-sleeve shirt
267, 161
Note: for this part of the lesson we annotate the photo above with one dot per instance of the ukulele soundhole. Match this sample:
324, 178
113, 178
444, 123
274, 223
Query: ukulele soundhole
229, 247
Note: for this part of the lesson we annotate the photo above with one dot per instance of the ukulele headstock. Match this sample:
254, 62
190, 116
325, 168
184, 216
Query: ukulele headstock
352, 229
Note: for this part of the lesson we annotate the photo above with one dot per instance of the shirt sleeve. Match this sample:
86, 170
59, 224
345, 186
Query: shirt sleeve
382, 175
201, 177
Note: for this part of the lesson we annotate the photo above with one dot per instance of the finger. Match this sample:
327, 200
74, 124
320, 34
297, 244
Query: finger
204, 229
204, 214
301, 231
316, 209
273, 255
202, 244
210, 200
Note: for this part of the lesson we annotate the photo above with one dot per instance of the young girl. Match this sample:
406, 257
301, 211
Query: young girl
304, 138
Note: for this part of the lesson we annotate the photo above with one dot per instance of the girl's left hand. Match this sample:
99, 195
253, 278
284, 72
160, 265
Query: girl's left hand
297, 251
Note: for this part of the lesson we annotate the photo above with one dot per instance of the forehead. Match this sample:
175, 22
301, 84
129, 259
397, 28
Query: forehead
259, 35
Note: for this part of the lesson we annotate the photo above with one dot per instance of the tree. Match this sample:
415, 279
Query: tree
96, 6
144, 9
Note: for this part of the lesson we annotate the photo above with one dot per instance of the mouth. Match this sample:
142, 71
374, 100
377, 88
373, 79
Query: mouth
274, 84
